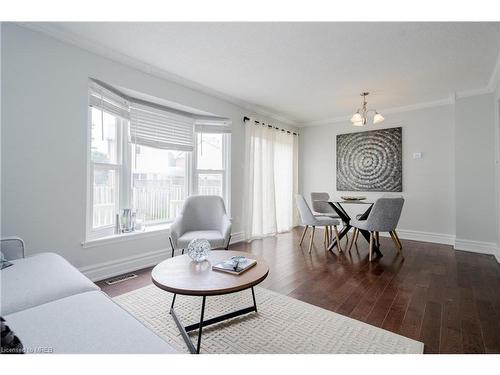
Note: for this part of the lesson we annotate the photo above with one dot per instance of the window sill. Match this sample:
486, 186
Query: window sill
157, 230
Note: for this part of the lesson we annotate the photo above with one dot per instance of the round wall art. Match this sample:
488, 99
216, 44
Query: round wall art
370, 161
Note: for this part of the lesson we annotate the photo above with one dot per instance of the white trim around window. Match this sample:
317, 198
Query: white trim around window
122, 165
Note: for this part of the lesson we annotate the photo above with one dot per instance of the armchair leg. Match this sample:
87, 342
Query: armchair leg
325, 237
377, 238
182, 251
371, 246
303, 234
228, 241
172, 246
338, 238
312, 238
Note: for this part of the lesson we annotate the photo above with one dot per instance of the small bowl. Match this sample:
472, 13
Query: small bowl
351, 198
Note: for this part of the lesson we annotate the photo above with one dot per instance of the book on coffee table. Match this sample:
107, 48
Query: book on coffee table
235, 265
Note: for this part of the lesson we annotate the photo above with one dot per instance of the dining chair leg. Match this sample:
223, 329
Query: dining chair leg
303, 234
397, 238
337, 238
371, 246
356, 238
353, 239
394, 240
312, 238
397, 242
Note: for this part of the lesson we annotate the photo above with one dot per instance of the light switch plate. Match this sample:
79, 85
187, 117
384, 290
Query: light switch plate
417, 155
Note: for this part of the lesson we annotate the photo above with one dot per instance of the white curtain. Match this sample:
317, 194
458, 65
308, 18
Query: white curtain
271, 181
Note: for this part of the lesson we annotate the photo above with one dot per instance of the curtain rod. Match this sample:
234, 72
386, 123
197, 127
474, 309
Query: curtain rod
245, 119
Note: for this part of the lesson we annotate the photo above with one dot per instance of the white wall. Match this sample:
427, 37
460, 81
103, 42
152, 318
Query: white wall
44, 124
475, 169
428, 183
451, 194
497, 165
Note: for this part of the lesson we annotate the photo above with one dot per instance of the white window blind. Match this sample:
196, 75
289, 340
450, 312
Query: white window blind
213, 126
107, 101
154, 127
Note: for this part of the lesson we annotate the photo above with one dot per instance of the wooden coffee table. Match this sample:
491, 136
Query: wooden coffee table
180, 275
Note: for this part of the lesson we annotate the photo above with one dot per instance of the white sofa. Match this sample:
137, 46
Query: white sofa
53, 308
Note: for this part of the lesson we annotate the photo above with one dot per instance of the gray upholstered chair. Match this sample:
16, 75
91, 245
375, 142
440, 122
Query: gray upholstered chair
320, 206
202, 217
12, 248
309, 219
383, 217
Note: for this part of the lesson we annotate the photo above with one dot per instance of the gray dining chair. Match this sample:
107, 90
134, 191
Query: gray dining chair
383, 217
202, 217
309, 219
321, 207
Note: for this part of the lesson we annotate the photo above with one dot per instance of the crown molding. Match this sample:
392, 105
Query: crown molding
475, 92
407, 108
98, 49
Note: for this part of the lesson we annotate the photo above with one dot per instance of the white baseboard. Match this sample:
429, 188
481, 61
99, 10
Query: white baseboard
480, 247
117, 267
414, 235
112, 268
236, 237
477, 247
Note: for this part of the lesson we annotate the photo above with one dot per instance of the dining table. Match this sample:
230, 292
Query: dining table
337, 206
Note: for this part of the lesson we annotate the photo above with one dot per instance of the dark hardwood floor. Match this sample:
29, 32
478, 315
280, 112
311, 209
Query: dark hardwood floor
448, 299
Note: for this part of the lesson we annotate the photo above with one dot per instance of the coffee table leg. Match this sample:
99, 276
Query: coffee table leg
201, 325
173, 301
254, 303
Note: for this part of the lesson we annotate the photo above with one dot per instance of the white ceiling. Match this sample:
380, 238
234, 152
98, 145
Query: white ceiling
309, 72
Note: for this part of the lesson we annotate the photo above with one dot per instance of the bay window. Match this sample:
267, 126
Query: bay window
149, 159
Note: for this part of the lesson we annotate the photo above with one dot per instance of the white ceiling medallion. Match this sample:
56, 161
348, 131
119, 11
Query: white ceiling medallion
360, 118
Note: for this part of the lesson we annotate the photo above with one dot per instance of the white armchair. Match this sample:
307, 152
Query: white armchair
204, 217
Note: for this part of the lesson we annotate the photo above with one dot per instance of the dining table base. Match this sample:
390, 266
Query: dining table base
344, 216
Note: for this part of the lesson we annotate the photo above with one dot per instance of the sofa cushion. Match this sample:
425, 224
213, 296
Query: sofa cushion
213, 236
40, 279
84, 323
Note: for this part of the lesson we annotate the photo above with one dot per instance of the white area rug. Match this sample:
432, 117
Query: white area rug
282, 325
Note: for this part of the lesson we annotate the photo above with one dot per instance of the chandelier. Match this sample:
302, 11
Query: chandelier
360, 118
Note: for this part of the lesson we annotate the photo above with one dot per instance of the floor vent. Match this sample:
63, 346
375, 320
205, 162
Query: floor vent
121, 278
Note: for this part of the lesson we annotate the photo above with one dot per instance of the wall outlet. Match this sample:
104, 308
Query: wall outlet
417, 155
